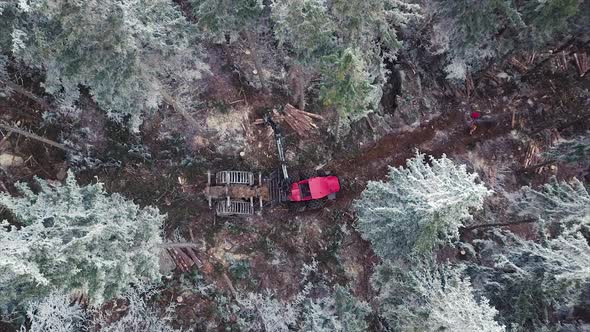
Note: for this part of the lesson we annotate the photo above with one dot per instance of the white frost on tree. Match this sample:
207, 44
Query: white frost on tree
108, 46
419, 298
418, 207
564, 202
139, 316
264, 312
529, 280
55, 313
75, 237
338, 312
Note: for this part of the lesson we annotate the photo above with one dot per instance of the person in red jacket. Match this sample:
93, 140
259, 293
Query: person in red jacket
473, 122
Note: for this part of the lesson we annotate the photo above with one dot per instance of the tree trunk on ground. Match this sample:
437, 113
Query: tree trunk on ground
20, 90
256, 59
35, 137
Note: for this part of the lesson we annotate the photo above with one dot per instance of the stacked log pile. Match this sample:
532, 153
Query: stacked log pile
300, 121
184, 256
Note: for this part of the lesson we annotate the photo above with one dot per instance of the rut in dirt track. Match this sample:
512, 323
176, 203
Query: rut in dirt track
394, 149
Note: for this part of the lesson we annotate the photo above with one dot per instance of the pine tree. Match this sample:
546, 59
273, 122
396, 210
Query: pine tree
425, 298
75, 237
530, 280
108, 46
418, 207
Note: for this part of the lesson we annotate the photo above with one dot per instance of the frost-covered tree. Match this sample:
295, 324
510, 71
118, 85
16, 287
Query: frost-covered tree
576, 150
55, 313
422, 298
475, 31
108, 46
467, 28
264, 312
221, 18
71, 237
528, 280
418, 207
139, 315
346, 48
340, 312
305, 27
567, 203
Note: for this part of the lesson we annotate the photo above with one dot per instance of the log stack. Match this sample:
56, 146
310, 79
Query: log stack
300, 121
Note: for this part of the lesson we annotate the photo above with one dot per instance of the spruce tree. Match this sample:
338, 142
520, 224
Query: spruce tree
424, 297
418, 207
71, 237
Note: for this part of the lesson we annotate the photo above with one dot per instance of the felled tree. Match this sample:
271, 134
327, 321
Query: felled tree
346, 48
72, 237
418, 207
55, 313
530, 280
108, 46
422, 298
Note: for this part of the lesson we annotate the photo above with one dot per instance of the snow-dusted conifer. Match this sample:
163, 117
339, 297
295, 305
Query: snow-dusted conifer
75, 237
419, 298
264, 312
139, 316
108, 46
339, 312
564, 202
529, 280
418, 206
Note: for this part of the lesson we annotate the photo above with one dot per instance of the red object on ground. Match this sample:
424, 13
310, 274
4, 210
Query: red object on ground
475, 115
314, 188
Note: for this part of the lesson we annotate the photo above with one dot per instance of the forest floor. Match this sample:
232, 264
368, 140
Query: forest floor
531, 109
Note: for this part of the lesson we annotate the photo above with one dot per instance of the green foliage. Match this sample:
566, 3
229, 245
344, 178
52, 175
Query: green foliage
118, 49
75, 237
418, 207
346, 47
425, 298
346, 84
529, 280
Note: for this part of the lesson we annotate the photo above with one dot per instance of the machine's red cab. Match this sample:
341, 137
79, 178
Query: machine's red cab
314, 188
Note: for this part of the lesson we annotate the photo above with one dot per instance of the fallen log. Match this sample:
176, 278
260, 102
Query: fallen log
35, 137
